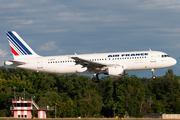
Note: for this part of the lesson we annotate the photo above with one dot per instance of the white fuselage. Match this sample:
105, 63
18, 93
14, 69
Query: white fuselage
113, 64
140, 60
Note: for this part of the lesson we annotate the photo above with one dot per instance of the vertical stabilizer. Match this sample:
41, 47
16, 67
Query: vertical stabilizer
19, 47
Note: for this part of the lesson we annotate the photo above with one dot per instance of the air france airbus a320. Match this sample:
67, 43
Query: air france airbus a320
113, 64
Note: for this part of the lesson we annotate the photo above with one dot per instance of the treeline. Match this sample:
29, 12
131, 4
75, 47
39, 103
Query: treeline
77, 95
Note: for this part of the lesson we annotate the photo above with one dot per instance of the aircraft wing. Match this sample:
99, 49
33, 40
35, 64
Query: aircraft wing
89, 64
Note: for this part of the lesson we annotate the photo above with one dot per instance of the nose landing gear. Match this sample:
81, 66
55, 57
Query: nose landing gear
153, 77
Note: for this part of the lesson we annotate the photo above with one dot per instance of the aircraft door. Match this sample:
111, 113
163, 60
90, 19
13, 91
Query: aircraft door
152, 57
39, 63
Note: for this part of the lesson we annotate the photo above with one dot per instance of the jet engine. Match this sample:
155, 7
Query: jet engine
116, 71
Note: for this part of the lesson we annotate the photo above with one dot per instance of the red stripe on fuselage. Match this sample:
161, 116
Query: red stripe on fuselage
14, 52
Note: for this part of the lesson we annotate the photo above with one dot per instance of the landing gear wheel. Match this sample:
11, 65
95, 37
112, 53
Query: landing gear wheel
95, 79
153, 77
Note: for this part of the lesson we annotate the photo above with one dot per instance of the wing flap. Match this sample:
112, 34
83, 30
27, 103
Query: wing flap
89, 64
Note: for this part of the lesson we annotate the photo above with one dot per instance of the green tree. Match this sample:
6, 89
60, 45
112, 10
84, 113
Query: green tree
67, 109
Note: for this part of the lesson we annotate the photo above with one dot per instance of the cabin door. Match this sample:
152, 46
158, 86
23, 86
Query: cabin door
39, 63
152, 57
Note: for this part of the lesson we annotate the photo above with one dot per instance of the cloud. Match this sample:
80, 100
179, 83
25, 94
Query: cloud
24, 21
3, 56
49, 46
158, 4
13, 5
64, 16
3, 53
90, 17
55, 31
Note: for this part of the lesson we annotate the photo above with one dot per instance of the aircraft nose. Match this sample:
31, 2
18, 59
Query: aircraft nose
173, 61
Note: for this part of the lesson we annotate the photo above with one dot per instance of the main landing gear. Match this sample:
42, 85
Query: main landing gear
153, 77
95, 79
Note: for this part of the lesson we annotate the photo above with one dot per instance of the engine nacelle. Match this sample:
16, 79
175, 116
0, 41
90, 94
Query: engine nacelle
116, 71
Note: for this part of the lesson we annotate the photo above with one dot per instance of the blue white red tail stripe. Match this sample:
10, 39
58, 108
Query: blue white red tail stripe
14, 48
14, 52
16, 45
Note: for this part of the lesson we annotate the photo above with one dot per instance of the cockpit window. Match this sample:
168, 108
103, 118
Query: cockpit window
165, 56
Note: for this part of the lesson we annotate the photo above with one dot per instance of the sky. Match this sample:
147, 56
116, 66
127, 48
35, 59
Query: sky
65, 27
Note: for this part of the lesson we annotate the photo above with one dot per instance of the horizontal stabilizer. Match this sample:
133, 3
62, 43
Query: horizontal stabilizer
13, 63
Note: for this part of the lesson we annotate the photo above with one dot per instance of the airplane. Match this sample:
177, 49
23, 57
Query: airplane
113, 64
